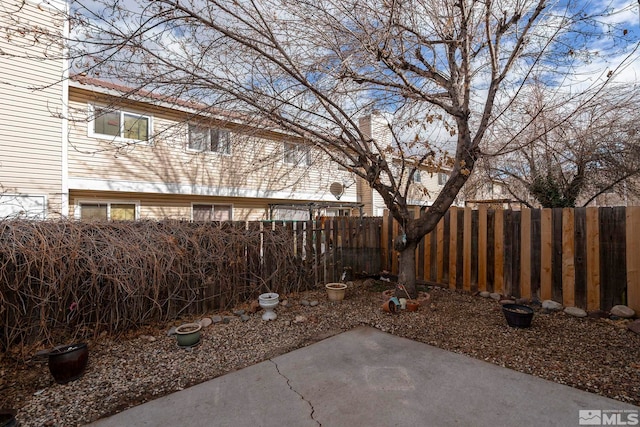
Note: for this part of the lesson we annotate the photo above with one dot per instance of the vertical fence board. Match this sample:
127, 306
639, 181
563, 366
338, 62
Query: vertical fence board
460, 249
395, 232
593, 259
426, 257
580, 237
633, 257
509, 251
434, 255
498, 269
482, 247
440, 251
568, 258
384, 242
453, 247
546, 254
613, 274
466, 250
556, 261
525, 253
474, 251
491, 238
535, 252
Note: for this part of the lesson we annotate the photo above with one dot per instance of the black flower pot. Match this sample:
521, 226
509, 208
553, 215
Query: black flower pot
517, 315
8, 418
68, 362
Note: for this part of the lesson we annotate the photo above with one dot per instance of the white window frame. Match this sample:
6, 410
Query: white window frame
442, 178
213, 205
78, 206
417, 176
301, 152
119, 138
210, 149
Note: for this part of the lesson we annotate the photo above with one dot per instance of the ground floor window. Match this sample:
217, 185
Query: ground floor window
108, 211
203, 212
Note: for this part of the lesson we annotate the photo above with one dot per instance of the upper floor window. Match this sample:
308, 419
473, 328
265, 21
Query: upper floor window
442, 178
107, 122
296, 154
202, 138
416, 177
211, 212
108, 211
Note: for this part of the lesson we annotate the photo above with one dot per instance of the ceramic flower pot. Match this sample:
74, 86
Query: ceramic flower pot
336, 291
68, 362
188, 334
412, 305
518, 316
269, 301
392, 305
8, 418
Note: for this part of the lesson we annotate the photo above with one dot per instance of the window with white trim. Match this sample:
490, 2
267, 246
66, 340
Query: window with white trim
203, 138
442, 178
113, 123
107, 211
208, 212
296, 154
417, 178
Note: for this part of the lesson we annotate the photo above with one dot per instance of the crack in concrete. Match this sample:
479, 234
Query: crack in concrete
313, 410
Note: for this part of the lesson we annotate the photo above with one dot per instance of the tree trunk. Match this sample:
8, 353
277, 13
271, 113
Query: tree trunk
407, 269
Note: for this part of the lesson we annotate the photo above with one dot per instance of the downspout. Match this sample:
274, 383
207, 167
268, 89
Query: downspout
64, 208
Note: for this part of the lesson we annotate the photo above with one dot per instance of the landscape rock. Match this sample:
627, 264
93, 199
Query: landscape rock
622, 311
226, 319
507, 301
148, 338
300, 319
575, 312
485, 294
216, 319
304, 302
284, 303
496, 296
523, 301
238, 312
244, 317
314, 303
205, 322
634, 326
171, 331
551, 305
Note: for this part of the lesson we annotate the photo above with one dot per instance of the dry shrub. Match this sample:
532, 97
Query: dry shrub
83, 278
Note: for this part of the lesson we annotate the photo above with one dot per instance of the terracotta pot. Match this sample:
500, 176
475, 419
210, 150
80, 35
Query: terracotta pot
336, 291
413, 305
68, 362
392, 305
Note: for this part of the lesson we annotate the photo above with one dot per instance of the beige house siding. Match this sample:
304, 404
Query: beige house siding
30, 133
250, 179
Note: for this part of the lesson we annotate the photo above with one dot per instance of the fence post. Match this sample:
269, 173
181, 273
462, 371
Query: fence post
466, 254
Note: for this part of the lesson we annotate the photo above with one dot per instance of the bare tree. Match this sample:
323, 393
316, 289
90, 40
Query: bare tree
573, 151
312, 68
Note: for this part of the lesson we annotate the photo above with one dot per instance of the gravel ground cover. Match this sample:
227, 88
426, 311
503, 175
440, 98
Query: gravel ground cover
597, 355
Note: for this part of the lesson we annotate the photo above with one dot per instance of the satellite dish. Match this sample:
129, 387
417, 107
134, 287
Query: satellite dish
336, 189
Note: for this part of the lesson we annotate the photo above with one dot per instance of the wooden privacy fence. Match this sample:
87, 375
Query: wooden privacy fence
584, 257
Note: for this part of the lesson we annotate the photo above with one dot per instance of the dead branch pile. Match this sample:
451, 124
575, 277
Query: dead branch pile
85, 278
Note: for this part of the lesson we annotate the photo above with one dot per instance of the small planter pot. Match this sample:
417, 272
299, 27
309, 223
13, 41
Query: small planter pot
517, 315
336, 291
68, 362
269, 301
392, 305
413, 305
8, 418
188, 334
